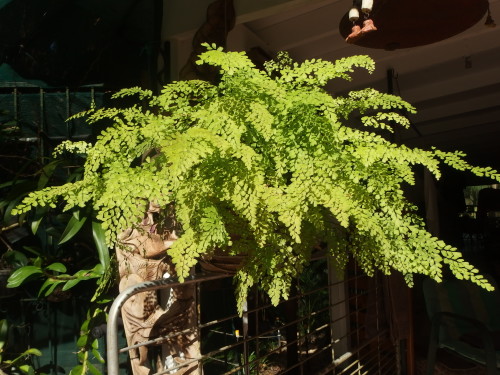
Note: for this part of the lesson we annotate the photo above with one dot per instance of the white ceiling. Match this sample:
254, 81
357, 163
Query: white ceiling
454, 84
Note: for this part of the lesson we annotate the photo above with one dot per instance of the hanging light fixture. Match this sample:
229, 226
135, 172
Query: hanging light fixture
368, 26
409, 23
366, 6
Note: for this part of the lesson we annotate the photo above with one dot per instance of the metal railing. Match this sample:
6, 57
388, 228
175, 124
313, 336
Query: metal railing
41, 113
330, 325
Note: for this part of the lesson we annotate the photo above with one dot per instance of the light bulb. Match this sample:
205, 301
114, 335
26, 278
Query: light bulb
367, 6
353, 14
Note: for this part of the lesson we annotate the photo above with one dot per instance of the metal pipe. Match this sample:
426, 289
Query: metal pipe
114, 312
198, 321
246, 354
16, 106
68, 113
41, 128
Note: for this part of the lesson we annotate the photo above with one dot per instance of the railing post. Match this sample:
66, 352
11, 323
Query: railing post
112, 350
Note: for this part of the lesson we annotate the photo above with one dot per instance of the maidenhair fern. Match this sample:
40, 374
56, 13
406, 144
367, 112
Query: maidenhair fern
265, 164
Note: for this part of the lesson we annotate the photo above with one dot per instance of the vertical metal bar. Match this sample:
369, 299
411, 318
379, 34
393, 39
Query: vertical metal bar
15, 94
76, 324
356, 313
339, 318
68, 111
410, 342
257, 332
92, 97
56, 339
51, 338
198, 322
377, 322
245, 338
41, 129
112, 350
112, 334
292, 350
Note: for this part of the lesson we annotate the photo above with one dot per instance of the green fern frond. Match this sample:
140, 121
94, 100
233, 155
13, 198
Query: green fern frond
266, 164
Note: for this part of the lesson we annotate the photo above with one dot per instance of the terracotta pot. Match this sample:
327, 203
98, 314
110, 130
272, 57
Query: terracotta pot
229, 264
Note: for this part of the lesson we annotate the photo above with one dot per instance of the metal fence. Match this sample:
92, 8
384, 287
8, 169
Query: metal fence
330, 325
41, 114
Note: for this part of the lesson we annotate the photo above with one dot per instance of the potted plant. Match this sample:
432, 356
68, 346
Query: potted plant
269, 156
264, 165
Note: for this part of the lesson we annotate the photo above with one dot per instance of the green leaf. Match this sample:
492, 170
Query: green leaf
22, 274
77, 370
84, 274
4, 329
53, 231
98, 270
15, 258
33, 351
85, 325
13, 203
71, 283
48, 287
47, 172
75, 176
58, 267
102, 300
38, 218
98, 355
93, 369
32, 249
74, 225
38, 262
27, 369
11, 183
82, 341
100, 241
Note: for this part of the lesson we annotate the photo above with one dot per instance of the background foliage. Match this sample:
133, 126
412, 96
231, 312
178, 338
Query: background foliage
53, 258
